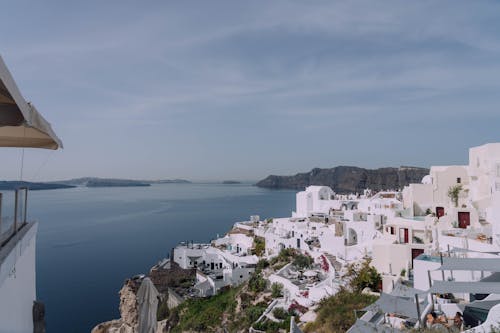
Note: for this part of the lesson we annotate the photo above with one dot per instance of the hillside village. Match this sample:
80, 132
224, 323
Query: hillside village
433, 248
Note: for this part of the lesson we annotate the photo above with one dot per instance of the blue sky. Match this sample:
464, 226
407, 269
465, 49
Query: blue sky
242, 89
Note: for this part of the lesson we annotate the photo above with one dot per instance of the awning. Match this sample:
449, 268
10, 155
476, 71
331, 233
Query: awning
444, 287
361, 326
404, 291
404, 306
476, 313
471, 264
20, 123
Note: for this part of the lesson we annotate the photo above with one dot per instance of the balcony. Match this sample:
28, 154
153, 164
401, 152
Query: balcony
11, 223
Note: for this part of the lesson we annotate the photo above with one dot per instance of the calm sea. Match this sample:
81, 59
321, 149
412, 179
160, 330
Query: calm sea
91, 239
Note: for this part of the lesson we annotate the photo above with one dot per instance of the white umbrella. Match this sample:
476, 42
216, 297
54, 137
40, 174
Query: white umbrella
20, 123
147, 298
310, 273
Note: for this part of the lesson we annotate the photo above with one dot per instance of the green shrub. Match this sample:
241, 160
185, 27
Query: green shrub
257, 283
454, 192
204, 314
363, 275
276, 290
269, 326
284, 257
261, 264
280, 313
302, 262
335, 314
254, 312
259, 244
163, 311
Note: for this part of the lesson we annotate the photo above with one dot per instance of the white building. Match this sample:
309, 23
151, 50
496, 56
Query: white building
216, 268
20, 126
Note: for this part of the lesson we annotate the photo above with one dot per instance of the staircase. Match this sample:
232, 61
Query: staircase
334, 262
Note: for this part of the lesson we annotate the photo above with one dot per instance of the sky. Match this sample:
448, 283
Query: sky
214, 90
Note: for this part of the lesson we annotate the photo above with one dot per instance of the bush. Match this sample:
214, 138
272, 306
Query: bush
257, 283
269, 326
254, 312
302, 262
454, 192
276, 290
204, 314
336, 313
280, 313
163, 311
363, 275
261, 264
284, 257
259, 244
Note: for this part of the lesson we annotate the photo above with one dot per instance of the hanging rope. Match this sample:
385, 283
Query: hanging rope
42, 165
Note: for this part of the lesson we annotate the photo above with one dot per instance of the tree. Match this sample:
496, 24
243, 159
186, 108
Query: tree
302, 262
259, 246
362, 275
256, 283
454, 192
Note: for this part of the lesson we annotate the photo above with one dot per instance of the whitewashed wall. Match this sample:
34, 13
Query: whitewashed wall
18, 285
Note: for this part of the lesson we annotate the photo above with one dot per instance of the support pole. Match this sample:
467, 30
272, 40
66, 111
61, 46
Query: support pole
25, 205
16, 203
1, 213
441, 257
419, 314
430, 285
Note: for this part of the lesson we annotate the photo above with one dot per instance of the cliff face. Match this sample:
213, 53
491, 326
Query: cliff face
348, 179
128, 310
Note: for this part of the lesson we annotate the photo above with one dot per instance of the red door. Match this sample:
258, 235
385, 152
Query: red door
415, 253
463, 219
406, 235
439, 211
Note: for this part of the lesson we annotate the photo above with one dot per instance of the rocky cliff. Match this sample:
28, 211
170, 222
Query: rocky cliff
348, 179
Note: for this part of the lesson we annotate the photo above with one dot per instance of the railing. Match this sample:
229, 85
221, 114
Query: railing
10, 225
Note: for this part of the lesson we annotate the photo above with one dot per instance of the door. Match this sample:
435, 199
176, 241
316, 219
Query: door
403, 235
463, 219
415, 253
439, 211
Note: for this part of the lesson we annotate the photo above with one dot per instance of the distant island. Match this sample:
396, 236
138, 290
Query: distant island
116, 182
13, 185
85, 182
348, 179
170, 181
230, 182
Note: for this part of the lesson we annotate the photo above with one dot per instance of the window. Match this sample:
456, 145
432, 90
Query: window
459, 180
498, 170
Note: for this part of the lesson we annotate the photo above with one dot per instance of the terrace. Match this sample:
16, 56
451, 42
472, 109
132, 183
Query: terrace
10, 225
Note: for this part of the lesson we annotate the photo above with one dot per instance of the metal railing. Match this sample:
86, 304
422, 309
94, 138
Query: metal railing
10, 225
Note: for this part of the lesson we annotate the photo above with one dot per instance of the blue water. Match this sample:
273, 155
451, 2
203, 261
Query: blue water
91, 239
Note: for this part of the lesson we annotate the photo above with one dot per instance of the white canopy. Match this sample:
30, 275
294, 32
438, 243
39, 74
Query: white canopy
20, 123
471, 264
475, 287
147, 298
393, 304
